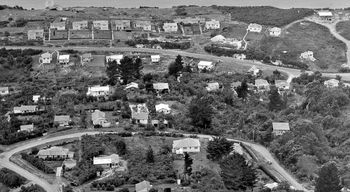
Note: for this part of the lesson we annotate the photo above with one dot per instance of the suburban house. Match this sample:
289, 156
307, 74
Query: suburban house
163, 108
108, 161
86, 57
99, 91
262, 85
218, 39
254, 71
35, 34
155, 58
63, 59
156, 46
80, 25
253, 27
121, 25
36, 98
280, 128
325, 14
190, 20
139, 113
28, 128
100, 24
143, 25
69, 163
143, 186
99, 118
45, 58
62, 120
207, 65
55, 152
25, 109
131, 85
215, 86
308, 55
188, 145
58, 25
116, 58
282, 85
170, 27
161, 87
213, 24
4, 91
275, 31
331, 83
235, 85
240, 56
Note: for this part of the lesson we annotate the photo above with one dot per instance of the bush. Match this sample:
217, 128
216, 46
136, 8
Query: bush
124, 190
10, 178
38, 163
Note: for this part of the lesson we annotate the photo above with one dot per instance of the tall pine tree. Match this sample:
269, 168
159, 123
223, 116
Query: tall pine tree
128, 70
328, 179
188, 164
276, 102
201, 112
218, 148
150, 155
176, 67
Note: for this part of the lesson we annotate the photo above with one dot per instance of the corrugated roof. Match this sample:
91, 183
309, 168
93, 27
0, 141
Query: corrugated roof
103, 160
54, 151
160, 86
279, 126
188, 142
61, 118
143, 185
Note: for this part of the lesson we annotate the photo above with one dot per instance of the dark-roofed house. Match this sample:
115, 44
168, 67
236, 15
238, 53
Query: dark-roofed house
139, 113
23, 109
62, 120
279, 128
161, 87
55, 152
4, 91
143, 186
188, 145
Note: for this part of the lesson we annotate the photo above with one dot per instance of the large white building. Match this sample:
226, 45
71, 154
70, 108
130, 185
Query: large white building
188, 145
253, 27
205, 65
99, 91
213, 24
170, 27
45, 58
80, 25
63, 59
100, 24
116, 58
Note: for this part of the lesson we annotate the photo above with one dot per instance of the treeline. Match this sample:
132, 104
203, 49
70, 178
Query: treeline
266, 15
38, 163
15, 137
10, 178
2, 7
164, 45
32, 188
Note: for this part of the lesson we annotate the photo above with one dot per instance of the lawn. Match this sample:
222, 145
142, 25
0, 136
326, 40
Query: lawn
343, 28
236, 31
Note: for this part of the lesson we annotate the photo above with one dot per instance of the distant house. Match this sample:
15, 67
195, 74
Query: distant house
282, 85
23, 109
58, 25
190, 20
69, 163
4, 91
254, 71
143, 186
170, 27
28, 128
207, 65
63, 59
275, 31
116, 58
143, 25
36, 98
253, 27
140, 46
139, 113
86, 57
99, 91
161, 87
99, 118
308, 55
45, 58
156, 46
36, 34
331, 83
155, 58
212, 86
325, 14
213, 24
188, 145
131, 85
100, 24
122, 25
218, 39
108, 161
262, 85
240, 56
55, 152
163, 108
62, 120
235, 85
80, 25
280, 128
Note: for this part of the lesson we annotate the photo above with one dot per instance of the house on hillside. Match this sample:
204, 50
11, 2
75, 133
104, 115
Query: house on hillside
279, 128
58, 26
100, 25
275, 31
262, 85
55, 152
4, 91
142, 25
69, 163
308, 55
23, 109
143, 186
112, 160
45, 58
62, 120
213, 24
332, 83
132, 85
254, 71
161, 87
282, 85
86, 58
253, 27
99, 118
218, 39
240, 56
99, 91
115, 58
122, 25
170, 27
205, 65
215, 86
139, 113
36, 34
325, 15
63, 59
28, 128
155, 58
163, 108
188, 145
36, 98
80, 25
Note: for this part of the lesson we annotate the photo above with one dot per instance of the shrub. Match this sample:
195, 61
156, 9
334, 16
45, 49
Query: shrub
10, 178
38, 163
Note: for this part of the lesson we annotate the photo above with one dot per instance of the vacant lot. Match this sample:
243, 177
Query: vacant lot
343, 28
234, 30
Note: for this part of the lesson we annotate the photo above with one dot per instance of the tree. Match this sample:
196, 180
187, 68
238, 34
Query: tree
188, 164
328, 179
150, 155
218, 148
120, 146
276, 102
176, 67
201, 112
128, 70
242, 90
236, 173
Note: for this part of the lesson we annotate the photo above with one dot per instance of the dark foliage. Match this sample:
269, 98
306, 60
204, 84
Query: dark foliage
217, 148
10, 178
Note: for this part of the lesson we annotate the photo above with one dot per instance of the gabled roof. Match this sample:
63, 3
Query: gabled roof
281, 83
261, 82
188, 142
143, 185
27, 127
87, 55
212, 86
26, 108
162, 106
4, 89
160, 86
218, 38
205, 63
103, 160
46, 54
53, 151
155, 56
99, 88
61, 118
97, 114
132, 85
280, 126
63, 57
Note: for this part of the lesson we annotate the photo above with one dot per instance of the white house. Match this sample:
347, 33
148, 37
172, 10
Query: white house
163, 108
254, 70
109, 161
4, 91
58, 25
308, 55
262, 84
205, 65
25, 109
240, 56
63, 59
99, 91
253, 27
100, 24
170, 27
275, 31
62, 120
36, 98
122, 25
35, 34
143, 186
188, 145
116, 58
213, 24
212, 86
28, 128
331, 83
139, 113
45, 58
144, 25
155, 58
131, 85
280, 128
80, 25
325, 14
99, 118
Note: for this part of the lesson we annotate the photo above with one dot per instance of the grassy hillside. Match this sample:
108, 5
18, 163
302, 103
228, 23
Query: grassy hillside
265, 15
343, 28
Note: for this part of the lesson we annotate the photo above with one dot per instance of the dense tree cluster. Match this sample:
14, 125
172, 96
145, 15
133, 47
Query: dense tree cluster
32, 188
328, 179
128, 70
217, 148
164, 45
37, 162
10, 178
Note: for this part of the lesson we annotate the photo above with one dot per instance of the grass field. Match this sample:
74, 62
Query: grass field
343, 28
234, 30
